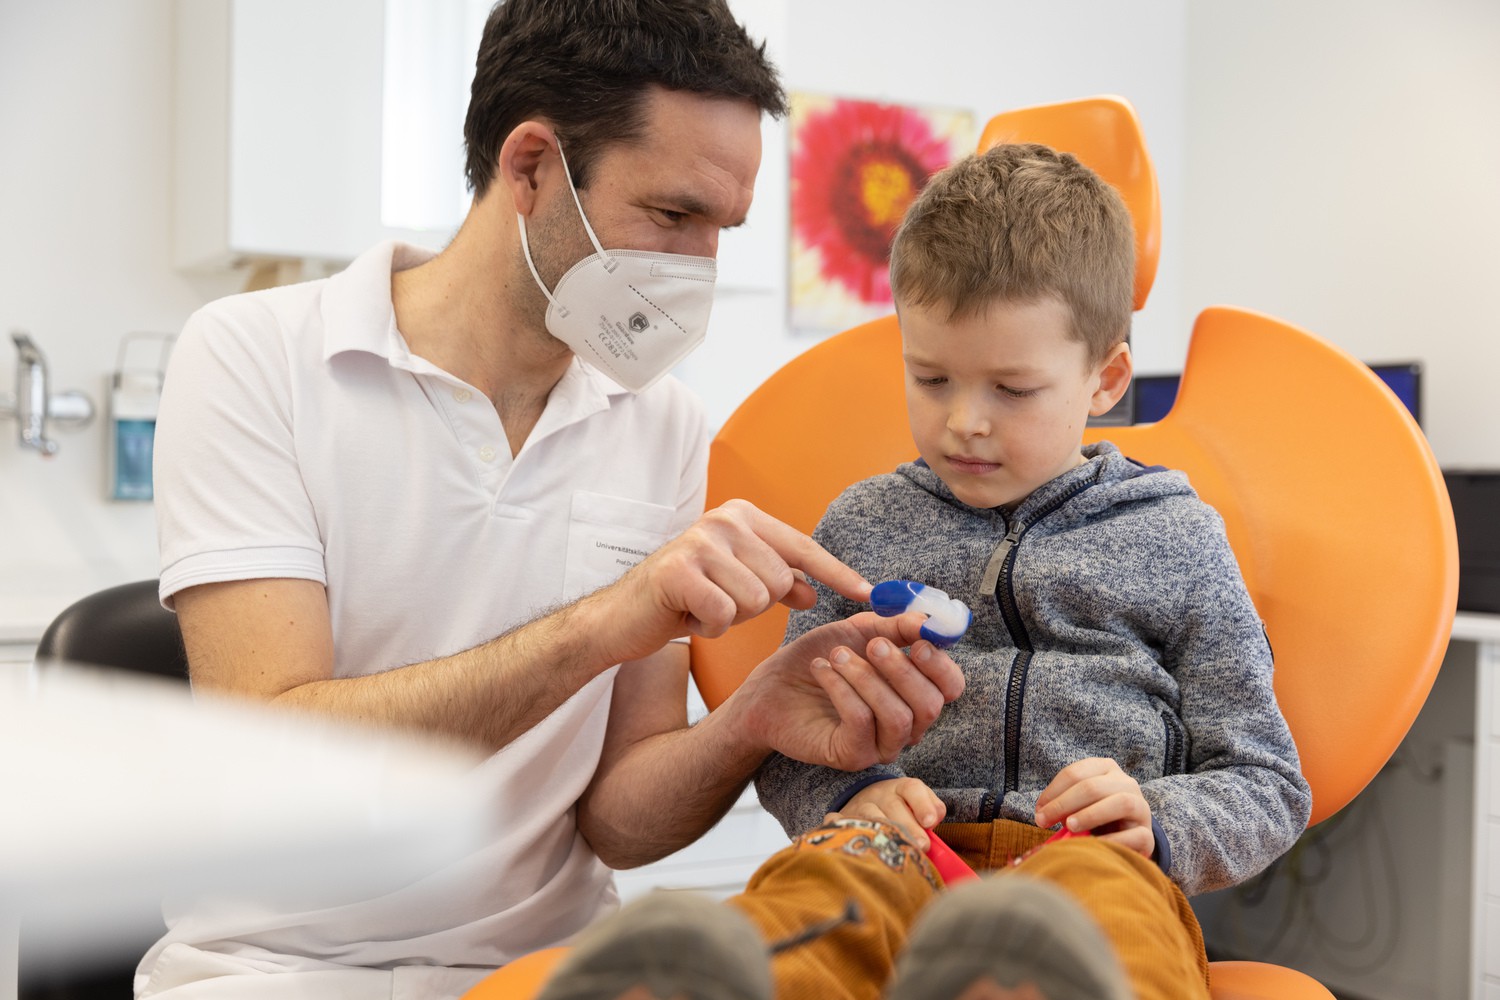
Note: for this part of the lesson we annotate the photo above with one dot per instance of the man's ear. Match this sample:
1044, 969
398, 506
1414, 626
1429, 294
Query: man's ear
1114, 376
526, 162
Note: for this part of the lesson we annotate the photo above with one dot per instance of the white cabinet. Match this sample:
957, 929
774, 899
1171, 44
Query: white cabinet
314, 130
278, 128
1485, 931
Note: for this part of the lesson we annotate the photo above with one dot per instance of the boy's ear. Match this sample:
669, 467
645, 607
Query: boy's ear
1115, 372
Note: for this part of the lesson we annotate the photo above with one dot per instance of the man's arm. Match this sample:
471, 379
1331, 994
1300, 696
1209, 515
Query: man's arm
271, 640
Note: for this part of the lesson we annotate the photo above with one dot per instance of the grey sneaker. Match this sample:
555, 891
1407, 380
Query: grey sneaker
1015, 930
676, 945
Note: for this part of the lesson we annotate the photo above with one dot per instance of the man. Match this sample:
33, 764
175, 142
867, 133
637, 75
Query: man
400, 496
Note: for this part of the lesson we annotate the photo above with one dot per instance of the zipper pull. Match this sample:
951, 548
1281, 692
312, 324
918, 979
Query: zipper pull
992, 568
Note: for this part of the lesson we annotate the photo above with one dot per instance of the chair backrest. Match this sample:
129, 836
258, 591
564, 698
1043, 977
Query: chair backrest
124, 627
1104, 133
1337, 512
831, 417
1333, 503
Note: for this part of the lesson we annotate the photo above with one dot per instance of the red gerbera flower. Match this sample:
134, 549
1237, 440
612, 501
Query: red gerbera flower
855, 169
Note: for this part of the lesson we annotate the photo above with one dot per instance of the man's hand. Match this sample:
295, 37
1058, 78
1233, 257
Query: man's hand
1094, 794
904, 802
844, 695
730, 565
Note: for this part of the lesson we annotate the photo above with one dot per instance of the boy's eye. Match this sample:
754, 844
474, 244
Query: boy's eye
929, 382
1016, 393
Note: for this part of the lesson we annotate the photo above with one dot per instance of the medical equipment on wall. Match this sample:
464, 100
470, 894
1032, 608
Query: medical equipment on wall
134, 398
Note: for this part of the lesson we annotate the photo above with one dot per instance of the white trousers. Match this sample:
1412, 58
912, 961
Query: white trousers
183, 972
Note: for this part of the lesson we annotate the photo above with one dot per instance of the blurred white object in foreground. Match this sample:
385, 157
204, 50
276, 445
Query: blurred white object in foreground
118, 790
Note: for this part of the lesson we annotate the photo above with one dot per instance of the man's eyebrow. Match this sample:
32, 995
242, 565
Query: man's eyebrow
692, 205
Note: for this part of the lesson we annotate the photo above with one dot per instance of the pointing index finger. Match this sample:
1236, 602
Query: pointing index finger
802, 553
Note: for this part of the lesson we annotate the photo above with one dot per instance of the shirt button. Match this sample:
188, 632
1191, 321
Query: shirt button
486, 454
462, 395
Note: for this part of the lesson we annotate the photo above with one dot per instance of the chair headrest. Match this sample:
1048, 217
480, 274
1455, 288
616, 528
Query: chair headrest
1105, 135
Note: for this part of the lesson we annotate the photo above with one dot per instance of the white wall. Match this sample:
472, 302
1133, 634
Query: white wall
85, 154
1343, 173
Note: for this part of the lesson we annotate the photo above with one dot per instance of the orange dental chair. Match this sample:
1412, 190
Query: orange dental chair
1333, 503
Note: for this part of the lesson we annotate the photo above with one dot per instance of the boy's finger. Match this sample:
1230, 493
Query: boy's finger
925, 806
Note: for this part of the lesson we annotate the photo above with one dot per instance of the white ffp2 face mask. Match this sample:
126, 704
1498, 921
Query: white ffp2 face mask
632, 314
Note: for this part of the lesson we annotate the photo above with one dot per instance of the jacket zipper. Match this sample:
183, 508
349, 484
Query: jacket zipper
1173, 762
999, 574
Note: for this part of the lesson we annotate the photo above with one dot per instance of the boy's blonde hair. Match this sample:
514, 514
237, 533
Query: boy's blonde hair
1019, 223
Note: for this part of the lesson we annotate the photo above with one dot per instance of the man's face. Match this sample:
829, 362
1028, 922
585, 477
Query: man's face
998, 401
689, 177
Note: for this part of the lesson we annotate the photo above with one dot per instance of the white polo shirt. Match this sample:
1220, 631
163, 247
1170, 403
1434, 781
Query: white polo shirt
299, 437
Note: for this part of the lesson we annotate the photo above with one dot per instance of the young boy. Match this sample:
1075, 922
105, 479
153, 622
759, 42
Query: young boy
1118, 679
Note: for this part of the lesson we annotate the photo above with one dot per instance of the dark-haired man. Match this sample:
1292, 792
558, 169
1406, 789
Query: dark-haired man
373, 492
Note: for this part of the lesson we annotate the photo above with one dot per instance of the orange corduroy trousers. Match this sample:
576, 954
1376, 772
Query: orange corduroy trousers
1141, 911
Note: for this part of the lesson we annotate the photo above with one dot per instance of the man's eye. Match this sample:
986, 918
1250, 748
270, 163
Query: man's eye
671, 215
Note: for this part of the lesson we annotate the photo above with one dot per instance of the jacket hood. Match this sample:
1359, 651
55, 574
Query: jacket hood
1104, 465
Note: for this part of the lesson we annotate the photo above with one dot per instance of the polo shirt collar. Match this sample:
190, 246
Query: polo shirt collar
357, 310
358, 316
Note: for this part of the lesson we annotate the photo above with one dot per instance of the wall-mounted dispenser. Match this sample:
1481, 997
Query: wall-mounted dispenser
134, 398
34, 406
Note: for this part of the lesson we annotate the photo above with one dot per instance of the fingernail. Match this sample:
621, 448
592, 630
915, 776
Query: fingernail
922, 652
819, 663
841, 656
1071, 824
880, 647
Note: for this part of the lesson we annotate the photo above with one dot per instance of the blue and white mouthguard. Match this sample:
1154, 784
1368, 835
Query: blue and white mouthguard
947, 617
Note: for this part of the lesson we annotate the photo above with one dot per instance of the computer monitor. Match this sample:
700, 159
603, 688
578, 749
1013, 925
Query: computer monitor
1154, 395
1405, 380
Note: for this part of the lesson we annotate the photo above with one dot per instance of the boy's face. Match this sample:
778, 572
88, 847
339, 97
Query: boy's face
998, 401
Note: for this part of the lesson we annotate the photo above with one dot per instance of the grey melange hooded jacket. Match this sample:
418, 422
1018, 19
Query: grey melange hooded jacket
1110, 620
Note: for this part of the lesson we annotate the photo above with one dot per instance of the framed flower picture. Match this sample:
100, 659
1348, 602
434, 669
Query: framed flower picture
855, 167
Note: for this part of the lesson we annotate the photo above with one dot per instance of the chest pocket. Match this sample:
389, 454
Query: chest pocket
607, 535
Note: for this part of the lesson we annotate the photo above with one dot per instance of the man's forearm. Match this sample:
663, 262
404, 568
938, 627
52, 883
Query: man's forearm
486, 696
668, 790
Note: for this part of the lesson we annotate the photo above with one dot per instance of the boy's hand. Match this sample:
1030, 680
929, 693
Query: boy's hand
1094, 794
903, 802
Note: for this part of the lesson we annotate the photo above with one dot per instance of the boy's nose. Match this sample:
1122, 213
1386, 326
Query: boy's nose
968, 420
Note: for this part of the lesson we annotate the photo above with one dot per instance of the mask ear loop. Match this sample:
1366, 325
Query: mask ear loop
609, 262
562, 310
